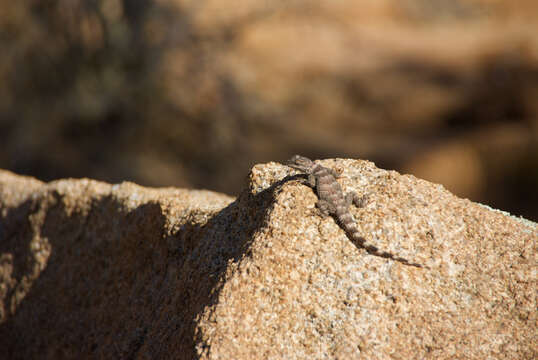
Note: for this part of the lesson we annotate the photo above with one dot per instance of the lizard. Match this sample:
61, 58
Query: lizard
332, 201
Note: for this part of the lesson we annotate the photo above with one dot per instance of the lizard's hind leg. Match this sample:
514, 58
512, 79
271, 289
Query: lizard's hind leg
325, 208
358, 201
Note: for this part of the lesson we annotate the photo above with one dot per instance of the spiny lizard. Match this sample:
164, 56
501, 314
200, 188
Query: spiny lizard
332, 201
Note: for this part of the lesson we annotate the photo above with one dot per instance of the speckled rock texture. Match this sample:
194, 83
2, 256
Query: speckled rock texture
92, 270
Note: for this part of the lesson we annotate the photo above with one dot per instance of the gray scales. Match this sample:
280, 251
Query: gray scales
332, 201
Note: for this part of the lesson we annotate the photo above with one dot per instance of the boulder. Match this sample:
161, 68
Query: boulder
93, 270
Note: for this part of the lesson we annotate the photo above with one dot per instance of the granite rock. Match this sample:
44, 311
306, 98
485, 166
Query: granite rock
89, 269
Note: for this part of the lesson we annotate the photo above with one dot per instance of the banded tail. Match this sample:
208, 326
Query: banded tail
355, 236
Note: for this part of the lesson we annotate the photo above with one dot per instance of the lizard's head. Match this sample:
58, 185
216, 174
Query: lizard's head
300, 163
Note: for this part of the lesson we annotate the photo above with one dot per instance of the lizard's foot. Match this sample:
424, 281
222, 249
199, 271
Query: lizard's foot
358, 201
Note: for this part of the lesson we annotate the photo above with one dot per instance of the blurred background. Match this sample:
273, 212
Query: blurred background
192, 93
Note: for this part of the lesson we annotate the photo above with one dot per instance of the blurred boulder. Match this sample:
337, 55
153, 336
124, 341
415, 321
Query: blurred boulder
192, 93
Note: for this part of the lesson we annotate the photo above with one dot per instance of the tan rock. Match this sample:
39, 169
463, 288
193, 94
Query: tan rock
89, 269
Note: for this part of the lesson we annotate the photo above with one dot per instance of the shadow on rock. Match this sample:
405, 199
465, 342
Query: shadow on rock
117, 283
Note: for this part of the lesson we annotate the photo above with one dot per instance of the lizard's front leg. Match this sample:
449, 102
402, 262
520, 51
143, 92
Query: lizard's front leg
309, 181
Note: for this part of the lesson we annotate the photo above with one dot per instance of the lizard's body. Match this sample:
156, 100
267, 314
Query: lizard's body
332, 201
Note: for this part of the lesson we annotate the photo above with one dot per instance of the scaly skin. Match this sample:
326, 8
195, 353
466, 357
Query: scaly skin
332, 201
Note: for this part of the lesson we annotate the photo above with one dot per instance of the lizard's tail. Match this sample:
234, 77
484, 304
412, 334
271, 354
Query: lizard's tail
360, 241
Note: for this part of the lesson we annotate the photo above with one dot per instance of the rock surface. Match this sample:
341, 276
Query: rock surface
89, 269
